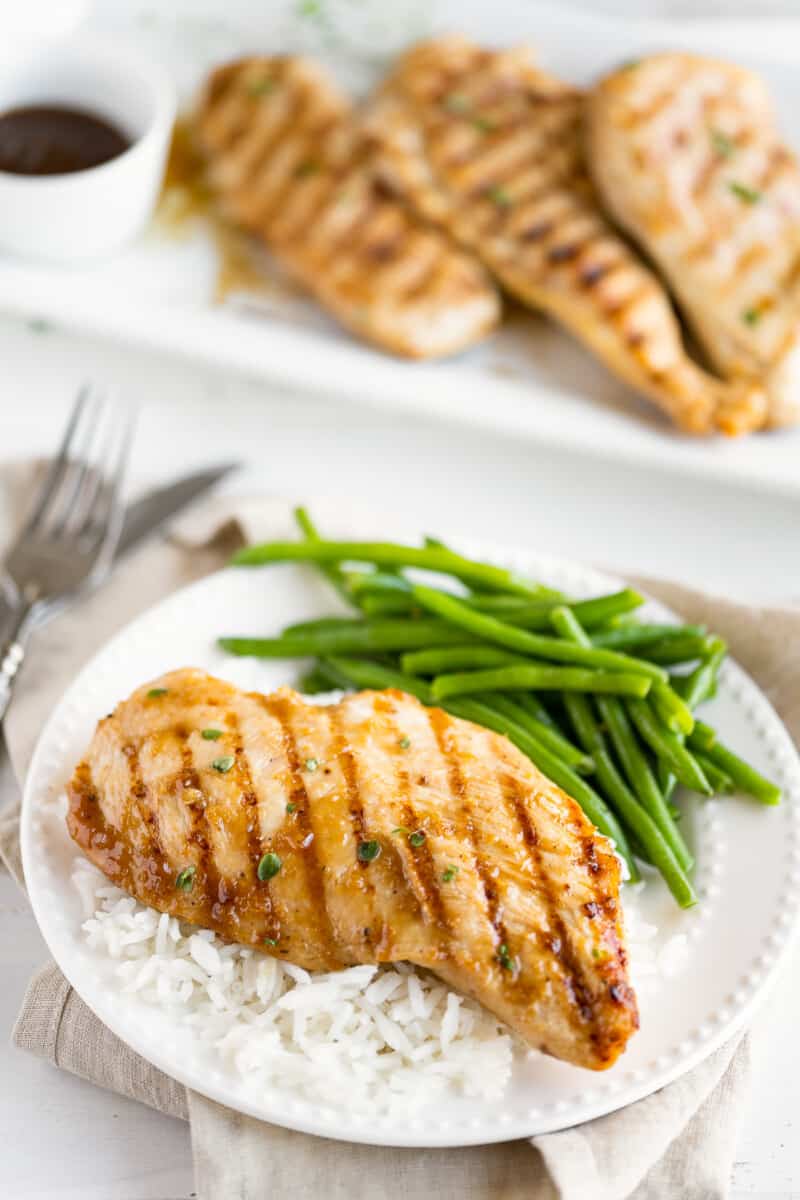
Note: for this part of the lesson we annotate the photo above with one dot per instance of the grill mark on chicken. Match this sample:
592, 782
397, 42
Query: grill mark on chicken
356, 813
277, 707
252, 831
190, 781
558, 945
440, 725
401, 771
725, 249
543, 201
141, 823
429, 298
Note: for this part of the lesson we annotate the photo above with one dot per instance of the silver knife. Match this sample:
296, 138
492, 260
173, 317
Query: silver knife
154, 509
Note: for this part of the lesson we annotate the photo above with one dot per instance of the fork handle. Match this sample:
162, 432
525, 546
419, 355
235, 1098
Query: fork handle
13, 654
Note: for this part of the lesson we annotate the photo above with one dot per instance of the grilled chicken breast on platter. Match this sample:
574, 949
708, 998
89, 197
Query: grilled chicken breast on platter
688, 158
491, 148
374, 830
289, 164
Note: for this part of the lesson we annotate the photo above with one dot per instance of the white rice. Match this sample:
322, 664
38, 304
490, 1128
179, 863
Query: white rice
399, 1036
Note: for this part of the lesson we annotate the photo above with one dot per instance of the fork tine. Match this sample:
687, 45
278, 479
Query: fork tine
62, 507
58, 467
105, 512
93, 478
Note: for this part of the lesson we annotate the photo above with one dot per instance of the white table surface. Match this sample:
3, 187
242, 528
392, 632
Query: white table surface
64, 1139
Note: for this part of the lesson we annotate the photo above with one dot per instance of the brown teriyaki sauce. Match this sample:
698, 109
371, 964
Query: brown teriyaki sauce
45, 139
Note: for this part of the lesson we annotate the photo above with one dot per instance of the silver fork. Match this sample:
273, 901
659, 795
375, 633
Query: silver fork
69, 539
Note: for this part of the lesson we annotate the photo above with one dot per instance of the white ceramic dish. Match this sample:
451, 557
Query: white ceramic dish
530, 380
748, 877
85, 214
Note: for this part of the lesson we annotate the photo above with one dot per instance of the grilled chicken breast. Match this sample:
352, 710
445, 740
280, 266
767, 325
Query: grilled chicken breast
289, 164
374, 830
688, 159
492, 148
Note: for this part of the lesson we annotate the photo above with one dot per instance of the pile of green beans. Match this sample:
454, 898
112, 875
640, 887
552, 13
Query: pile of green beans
582, 687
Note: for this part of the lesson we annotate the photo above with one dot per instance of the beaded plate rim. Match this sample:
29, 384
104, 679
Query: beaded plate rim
483, 1122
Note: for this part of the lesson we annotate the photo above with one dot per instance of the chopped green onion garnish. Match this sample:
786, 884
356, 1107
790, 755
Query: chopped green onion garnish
368, 851
400, 829
449, 874
304, 169
261, 87
268, 866
270, 941
404, 743
751, 316
311, 764
211, 735
499, 196
291, 807
416, 839
154, 693
482, 124
224, 763
724, 146
504, 958
185, 879
744, 193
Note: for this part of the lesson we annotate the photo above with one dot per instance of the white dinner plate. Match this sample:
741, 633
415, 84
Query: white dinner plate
530, 378
747, 875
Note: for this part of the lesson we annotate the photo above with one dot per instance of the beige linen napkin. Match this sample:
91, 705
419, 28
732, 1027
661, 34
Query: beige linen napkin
678, 1142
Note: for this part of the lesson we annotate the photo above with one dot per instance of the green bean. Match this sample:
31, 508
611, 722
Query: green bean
720, 780
666, 780
640, 776
315, 681
637, 847
534, 645
591, 613
669, 651
533, 677
656, 849
667, 746
640, 635
745, 777
388, 554
634, 763
320, 625
496, 602
364, 673
567, 624
439, 659
674, 711
332, 572
387, 604
550, 765
567, 751
360, 635
703, 736
533, 705
382, 582
699, 683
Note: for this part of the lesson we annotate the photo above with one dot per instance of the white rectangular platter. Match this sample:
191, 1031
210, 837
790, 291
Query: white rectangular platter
529, 380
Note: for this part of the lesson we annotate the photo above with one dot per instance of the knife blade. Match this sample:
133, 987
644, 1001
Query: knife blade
155, 508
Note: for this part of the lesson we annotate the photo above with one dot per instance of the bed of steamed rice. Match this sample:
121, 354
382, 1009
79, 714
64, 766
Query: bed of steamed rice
398, 1035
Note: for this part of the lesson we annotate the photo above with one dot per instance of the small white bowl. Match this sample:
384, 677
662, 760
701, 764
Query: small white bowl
85, 214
